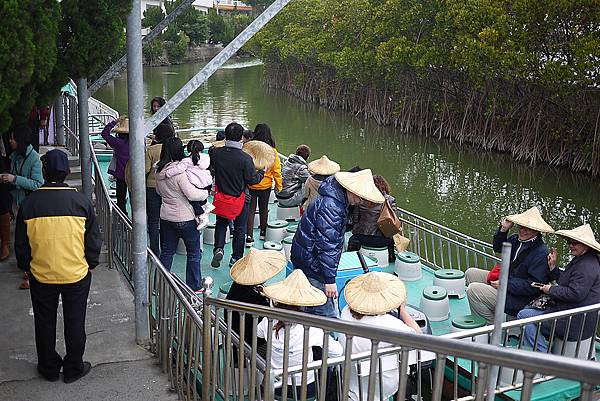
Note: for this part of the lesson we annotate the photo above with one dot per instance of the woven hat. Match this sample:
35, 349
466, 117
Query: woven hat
323, 166
122, 126
295, 290
257, 266
583, 234
375, 293
218, 144
531, 218
360, 184
262, 154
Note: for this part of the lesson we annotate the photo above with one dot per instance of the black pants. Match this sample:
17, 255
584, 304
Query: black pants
260, 196
356, 241
44, 298
122, 195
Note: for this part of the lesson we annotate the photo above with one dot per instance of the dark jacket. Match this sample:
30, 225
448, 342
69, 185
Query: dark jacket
578, 285
246, 293
319, 240
528, 263
294, 175
233, 169
5, 198
120, 148
56, 236
364, 219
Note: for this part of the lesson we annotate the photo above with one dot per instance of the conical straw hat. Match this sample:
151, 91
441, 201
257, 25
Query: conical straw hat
296, 290
531, 218
257, 266
122, 126
583, 234
218, 144
375, 293
262, 154
323, 166
360, 184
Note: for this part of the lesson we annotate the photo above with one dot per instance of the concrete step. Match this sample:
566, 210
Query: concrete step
75, 173
74, 184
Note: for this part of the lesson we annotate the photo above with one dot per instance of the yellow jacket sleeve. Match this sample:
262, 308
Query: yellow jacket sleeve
277, 172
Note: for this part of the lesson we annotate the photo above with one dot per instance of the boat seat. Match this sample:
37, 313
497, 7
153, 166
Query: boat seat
470, 322
224, 289
380, 254
571, 348
288, 213
452, 280
276, 230
408, 266
287, 246
273, 246
208, 234
434, 303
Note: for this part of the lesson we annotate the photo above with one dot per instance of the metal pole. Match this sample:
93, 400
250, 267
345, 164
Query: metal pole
214, 64
135, 99
85, 154
499, 316
122, 62
59, 118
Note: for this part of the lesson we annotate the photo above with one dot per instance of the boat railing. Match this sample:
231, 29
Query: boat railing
98, 121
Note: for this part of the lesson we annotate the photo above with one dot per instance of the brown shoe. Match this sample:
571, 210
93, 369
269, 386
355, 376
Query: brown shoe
24, 284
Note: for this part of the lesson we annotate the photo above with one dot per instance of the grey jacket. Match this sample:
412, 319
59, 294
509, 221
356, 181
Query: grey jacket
364, 218
294, 175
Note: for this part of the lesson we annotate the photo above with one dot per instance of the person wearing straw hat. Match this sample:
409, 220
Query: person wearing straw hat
319, 240
233, 171
295, 293
371, 297
120, 146
578, 285
249, 274
528, 263
319, 170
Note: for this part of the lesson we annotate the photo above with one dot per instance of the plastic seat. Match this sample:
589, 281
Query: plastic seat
452, 280
408, 266
273, 246
287, 246
381, 254
224, 289
470, 322
276, 230
434, 303
208, 234
288, 213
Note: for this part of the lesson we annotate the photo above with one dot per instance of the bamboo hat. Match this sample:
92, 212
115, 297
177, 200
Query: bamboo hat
375, 293
583, 234
122, 126
257, 266
323, 166
360, 184
218, 144
532, 219
262, 154
296, 290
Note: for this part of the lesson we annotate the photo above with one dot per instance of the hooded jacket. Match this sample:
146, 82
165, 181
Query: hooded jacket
294, 175
28, 173
578, 285
199, 175
176, 191
528, 263
319, 240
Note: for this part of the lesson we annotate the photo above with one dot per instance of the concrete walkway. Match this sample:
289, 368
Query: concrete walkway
121, 369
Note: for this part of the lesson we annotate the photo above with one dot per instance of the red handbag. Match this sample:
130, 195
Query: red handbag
227, 206
494, 274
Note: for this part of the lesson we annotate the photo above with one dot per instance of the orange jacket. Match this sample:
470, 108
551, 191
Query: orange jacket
274, 173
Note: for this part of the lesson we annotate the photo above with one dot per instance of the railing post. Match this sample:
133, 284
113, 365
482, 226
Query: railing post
85, 156
135, 98
59, 118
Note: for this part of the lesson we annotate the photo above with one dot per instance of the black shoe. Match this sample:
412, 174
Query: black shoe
249, 241
86, 369
217, 257
50, 378
263, 234
232, 261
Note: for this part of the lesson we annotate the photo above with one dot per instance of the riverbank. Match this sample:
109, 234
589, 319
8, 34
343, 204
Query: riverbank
194, 54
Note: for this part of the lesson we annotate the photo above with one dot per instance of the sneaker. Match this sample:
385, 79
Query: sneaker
217, 257
263, 234
232, 261
86, 369
249, 241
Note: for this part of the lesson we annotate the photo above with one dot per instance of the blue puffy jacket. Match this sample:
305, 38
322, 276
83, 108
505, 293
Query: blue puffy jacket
319, 240
528, 263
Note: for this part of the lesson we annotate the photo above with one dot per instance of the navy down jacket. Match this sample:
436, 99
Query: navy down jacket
319, 240
528, 263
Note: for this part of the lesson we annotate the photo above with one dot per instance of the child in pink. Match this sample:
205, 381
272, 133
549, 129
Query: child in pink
196, 168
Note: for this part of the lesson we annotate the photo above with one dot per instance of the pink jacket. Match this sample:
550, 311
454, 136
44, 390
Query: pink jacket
176, 191
198, 175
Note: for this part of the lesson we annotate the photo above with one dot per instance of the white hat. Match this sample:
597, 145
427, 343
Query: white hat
257, 266
375, 293
323, 166
583, 234
532, 219
360, 184
262, 154
295, 290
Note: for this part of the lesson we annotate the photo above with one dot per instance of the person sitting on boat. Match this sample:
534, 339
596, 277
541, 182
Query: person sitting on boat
528, 263
249, 274
319, 241
578, 285
294, 173
371, 299
319, 170
294, 293
365, 231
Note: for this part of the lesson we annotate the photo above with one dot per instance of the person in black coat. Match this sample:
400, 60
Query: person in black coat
5, 208
578, 285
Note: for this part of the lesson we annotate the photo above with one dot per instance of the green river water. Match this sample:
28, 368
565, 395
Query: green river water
465, 189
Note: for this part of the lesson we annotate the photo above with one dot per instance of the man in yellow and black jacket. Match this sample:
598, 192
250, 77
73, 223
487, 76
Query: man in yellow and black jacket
58, 242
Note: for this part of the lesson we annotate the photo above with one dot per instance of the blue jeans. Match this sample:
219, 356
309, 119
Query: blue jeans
329, 309
531, 329
153, 202
239, 231
170, 232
